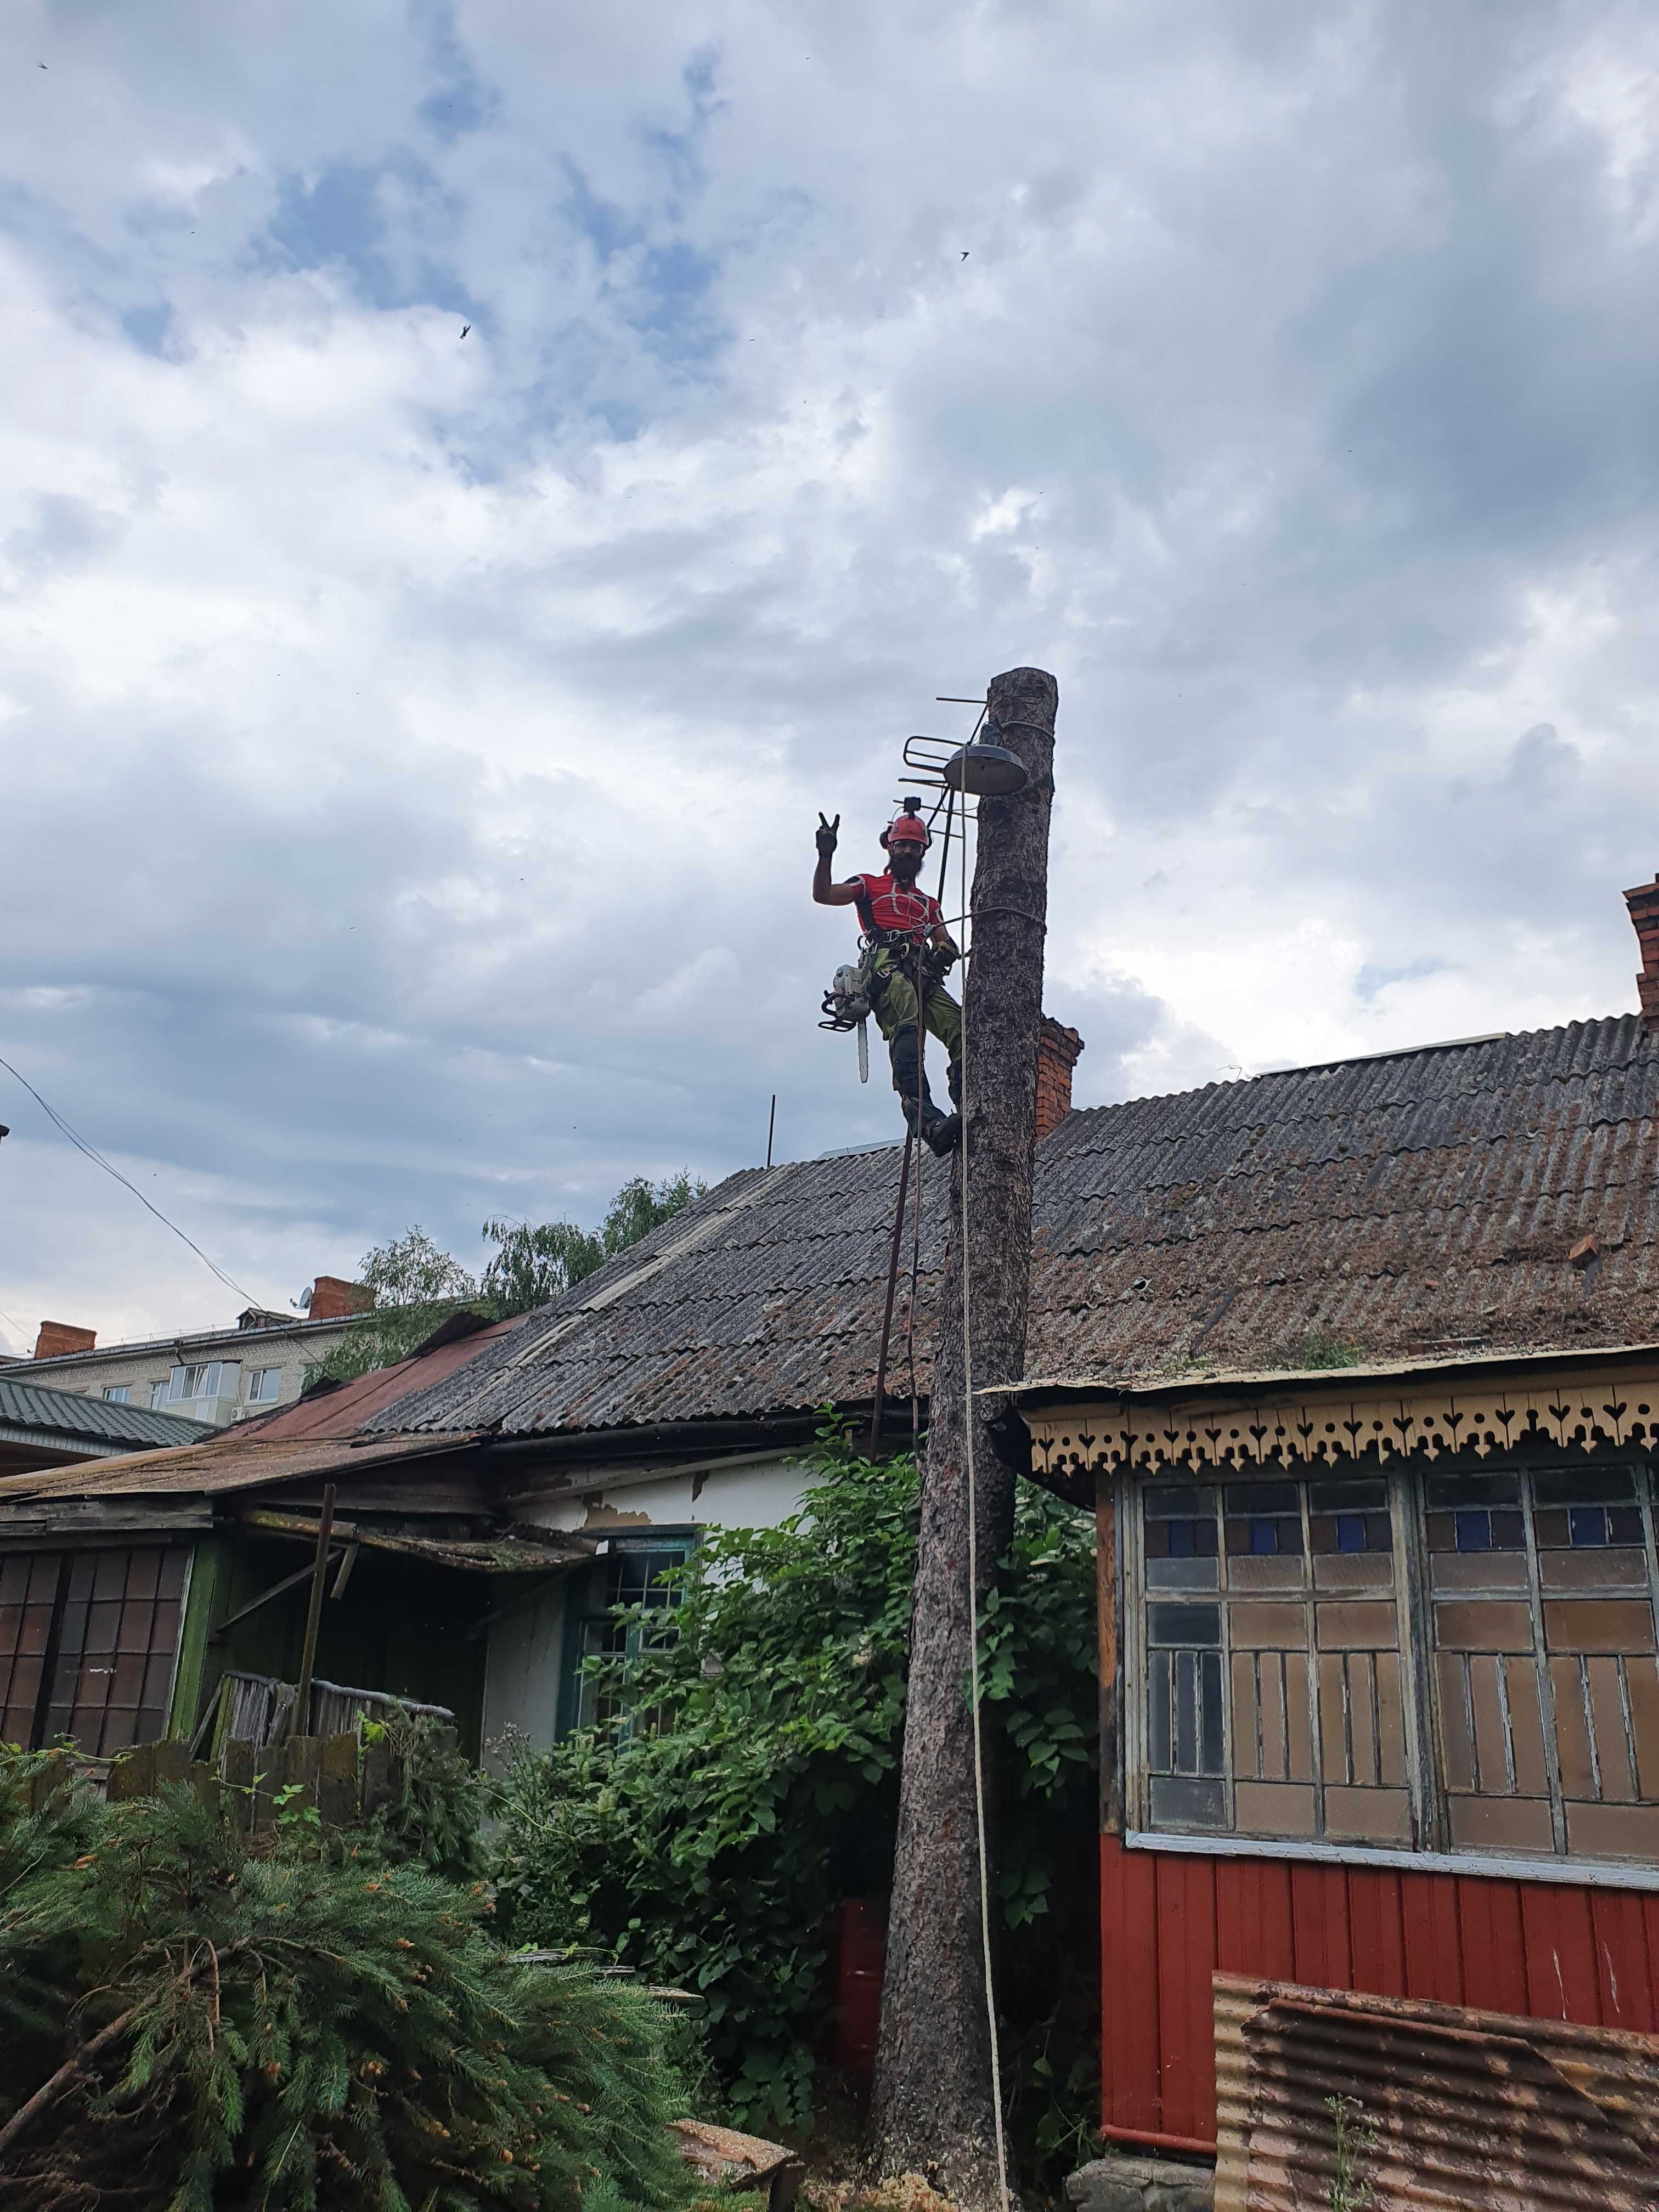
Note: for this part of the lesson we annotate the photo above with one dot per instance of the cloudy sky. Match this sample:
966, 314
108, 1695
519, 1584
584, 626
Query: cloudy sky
411, 744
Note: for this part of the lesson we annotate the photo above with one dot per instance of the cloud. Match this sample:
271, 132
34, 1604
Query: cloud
411, 744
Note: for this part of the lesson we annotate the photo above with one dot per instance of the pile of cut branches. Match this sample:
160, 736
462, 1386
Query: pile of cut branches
189, 2026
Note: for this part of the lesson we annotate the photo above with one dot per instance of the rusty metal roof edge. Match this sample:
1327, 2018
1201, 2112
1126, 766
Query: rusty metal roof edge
1067, 1389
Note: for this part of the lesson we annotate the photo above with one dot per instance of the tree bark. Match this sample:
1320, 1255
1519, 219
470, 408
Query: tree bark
934, 2109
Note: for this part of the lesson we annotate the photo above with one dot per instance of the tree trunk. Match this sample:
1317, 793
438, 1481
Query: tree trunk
933, 2112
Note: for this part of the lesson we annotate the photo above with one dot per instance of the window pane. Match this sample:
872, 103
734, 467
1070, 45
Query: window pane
1159, 1735
1455, 1490
1183, 1624
1181, 1802
1347, 1497
1474, 1531
1584, 1485
1179, 1504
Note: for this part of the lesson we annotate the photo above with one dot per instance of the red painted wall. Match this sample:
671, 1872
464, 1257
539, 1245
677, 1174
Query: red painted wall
1168, 1920
860, 1959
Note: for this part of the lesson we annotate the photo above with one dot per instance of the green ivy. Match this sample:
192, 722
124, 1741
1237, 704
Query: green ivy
706, 1840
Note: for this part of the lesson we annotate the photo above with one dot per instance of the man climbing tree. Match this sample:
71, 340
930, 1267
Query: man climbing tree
907, 950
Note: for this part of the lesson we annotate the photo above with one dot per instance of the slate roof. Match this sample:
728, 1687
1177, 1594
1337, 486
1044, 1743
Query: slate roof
320, 1435
1421, 1202
100, 1424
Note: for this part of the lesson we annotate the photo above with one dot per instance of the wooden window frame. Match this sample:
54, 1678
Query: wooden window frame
1427, 1766
581, 1616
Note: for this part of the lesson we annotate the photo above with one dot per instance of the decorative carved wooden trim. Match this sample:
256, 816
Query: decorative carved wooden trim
1588, 1409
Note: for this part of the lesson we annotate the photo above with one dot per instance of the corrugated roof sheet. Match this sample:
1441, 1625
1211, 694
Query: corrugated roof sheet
99, 1420
341, 1412
1449, 2110
225, 1464
1417, 1203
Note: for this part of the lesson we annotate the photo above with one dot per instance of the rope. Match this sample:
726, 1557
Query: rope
1019, 912
973, 1614
915, 1230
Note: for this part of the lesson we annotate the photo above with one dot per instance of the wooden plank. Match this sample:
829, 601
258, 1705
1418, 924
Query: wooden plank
51, 1776
267, 1781
377, 1777
1434, 1957
301, 1759
1377, 1933
1319, 1920
203, 1600
1492, 1942
238, 1767
1562, 1983
133, 1775
1107, 1646
1185, 1890
172, 1761
337, 1787
1129, 1965
206, 1784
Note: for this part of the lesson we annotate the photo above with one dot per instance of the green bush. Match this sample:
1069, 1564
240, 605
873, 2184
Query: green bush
707, 1840
189, 2026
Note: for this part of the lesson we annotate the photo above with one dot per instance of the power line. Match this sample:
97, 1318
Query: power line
98, 1159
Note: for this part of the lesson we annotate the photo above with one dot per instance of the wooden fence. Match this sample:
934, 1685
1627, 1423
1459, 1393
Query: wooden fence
344, 1780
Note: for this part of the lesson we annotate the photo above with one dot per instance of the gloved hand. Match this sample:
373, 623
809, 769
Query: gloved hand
945, 958
824, 836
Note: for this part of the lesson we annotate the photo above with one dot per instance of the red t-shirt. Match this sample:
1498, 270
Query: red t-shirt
882, 904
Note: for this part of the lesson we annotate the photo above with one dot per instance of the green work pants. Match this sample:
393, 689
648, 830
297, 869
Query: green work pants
894, 1005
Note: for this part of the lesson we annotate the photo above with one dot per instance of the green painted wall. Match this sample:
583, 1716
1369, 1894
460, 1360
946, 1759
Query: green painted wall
195, 1675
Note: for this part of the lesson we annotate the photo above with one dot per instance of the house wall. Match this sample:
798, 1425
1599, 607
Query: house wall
1171, 1919
752, 1490
524, 1681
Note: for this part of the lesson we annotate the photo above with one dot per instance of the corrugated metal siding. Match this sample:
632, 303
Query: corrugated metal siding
34, 1406
1170, 1920
1401, 1204
1457, 2110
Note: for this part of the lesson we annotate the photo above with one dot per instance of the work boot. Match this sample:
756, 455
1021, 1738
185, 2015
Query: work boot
940, 1132
943, 1133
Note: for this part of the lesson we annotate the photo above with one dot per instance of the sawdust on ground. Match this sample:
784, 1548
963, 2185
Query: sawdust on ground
907, 2193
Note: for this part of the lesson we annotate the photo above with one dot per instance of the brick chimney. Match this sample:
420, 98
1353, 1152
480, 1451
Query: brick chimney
57, 1337
1057, 1055
332, 1298
1643, 904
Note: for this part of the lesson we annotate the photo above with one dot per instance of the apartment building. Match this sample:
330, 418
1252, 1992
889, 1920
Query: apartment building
215, 1376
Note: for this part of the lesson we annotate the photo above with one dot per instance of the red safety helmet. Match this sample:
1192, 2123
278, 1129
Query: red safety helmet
907, 828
